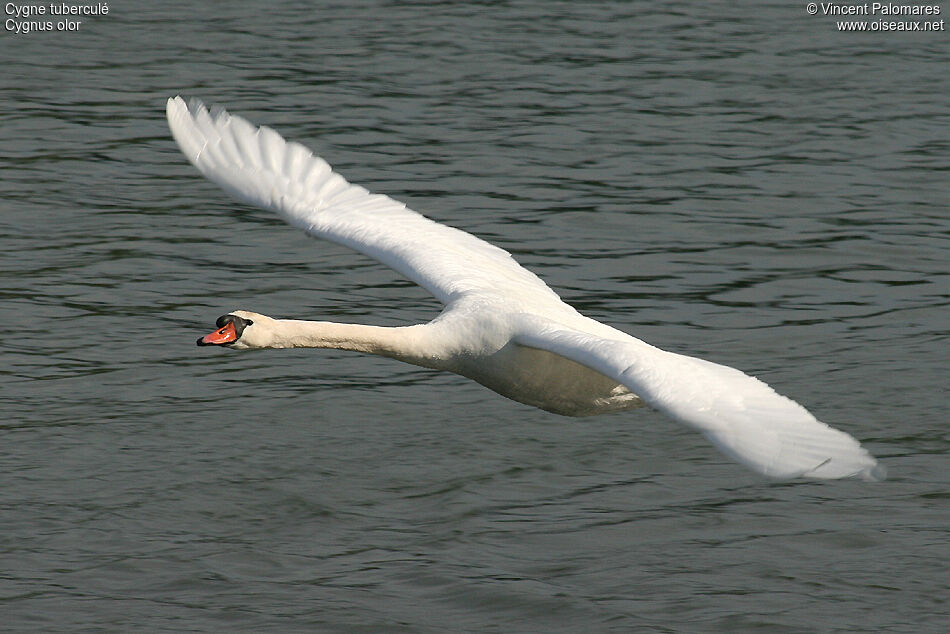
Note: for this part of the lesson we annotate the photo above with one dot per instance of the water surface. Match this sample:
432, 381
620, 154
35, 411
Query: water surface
752, 187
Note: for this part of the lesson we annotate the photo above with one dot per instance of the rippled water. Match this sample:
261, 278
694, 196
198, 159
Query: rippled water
749, 186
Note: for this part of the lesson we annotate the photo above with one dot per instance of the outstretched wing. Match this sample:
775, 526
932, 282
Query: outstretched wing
741, 415
257, 166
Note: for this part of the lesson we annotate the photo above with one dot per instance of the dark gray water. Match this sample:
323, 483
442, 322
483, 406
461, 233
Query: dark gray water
746, 185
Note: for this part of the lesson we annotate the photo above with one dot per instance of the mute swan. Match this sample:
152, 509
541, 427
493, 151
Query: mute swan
501, 325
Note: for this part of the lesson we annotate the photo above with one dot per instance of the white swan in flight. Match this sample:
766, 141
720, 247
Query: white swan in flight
501, 325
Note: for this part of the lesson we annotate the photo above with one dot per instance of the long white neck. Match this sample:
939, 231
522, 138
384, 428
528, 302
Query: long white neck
412, 344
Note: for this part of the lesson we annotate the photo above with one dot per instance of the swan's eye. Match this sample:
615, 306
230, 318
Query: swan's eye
240, 322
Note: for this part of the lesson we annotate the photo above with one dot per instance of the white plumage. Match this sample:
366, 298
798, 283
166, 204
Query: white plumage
501, 325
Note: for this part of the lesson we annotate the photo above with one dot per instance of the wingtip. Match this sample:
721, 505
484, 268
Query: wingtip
171, 105
179, 104
176, 108
876, 473
868, 469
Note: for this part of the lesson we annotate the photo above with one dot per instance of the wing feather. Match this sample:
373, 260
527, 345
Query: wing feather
741, 415
257, 166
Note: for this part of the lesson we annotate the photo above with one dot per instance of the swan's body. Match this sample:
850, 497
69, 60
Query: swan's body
501, 326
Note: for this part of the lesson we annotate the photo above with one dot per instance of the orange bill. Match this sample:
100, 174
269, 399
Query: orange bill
223, 335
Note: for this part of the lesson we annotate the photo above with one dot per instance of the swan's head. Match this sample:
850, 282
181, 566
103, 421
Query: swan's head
240, 330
